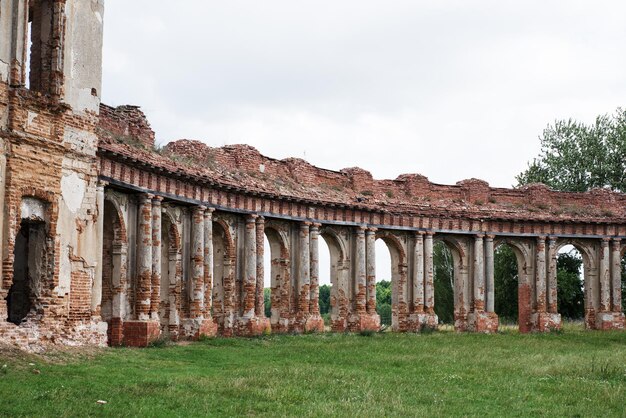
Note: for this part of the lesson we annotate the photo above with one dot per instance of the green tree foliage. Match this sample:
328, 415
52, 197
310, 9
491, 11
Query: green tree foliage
324, 299
267, 294
383, 301
570, 287
444, 283
506, 279
578, 157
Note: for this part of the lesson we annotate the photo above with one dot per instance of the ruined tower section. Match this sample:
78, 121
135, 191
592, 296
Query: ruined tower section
50, 79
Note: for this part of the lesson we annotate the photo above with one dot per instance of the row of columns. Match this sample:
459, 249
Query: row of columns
423, 280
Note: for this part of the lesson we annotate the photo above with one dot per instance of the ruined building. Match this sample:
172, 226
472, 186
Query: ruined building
107, 240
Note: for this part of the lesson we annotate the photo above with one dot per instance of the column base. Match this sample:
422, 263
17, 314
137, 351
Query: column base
485, 322
419, 322
364, 322
194, 328
545, 322
460, 322
314, 323
115, 332
609, 321
141, 333
338, 324
252, 326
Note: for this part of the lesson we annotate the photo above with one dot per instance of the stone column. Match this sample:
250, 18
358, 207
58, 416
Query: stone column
208, 262
489, 273
360, 272
144, 258
196, 308
370, 269
260, 267
429, 287
552, 271
314, 303
616, 276
96, 289
155, 299
541, 274
479, 274
605, 276
418, 274
249, 286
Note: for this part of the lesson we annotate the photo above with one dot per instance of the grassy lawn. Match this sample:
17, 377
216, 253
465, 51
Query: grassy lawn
574, 373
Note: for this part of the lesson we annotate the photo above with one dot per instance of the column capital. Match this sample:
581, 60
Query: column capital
361, 229
260, 220
145, 198
305, 225
209, 210
490, 237
420, 233
251, 218
371, 231
479, 236
605, 241
156, 200
541, 238
102, 184
552, 240
430, 233
315, 227
617, 242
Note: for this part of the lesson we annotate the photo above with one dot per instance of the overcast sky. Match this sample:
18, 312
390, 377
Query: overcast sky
448, 89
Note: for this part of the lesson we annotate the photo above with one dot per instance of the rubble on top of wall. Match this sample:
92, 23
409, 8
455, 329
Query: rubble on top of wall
244, 167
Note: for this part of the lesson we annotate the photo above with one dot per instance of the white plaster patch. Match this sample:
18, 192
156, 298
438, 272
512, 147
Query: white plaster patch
80, 140
31, 118
262, 168
33, 208
65, 272
4, 71
73, 191
99, 17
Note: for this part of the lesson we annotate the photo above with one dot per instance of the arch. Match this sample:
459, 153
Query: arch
523, 288
460, 288
399, 282
224, 288
113, 304
340, 292
590, 277
171, 275
280, 276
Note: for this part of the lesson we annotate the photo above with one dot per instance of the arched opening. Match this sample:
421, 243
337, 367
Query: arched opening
114, 268
339, 269
383, 283
224, 286
277, 280
28, 270
573, 302
443, 265
325, 283
171, 274
506, 286
394, 280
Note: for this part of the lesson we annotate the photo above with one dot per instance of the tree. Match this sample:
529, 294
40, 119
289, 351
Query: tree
324, 299
267, 297
383, 301
444, 283
577, 157
506, 280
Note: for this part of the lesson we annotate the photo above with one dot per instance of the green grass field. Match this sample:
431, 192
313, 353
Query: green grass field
574, 373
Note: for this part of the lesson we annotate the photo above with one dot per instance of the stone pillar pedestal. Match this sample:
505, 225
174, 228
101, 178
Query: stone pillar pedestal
141, 333
485, 322
609, 321
545, 321
421, 321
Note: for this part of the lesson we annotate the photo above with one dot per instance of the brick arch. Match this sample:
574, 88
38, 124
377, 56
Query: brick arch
49, 276
399, 280
280, 273
224, 285
340, 291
